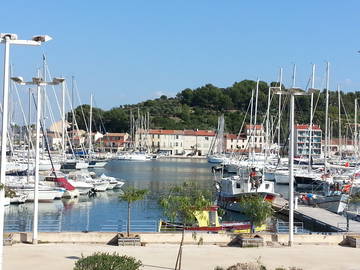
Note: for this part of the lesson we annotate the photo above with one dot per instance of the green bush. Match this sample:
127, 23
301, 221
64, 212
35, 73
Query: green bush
106, 261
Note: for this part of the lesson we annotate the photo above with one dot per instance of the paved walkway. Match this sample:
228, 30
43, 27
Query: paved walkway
160, 257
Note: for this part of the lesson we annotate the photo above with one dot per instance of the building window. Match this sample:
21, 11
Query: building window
177, 137
158, 136
206, 138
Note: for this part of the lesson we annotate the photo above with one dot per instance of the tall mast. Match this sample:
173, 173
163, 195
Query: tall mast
339, 109
251, 120
268, 125
255, 115
72, 107
327, 112
311, 115
355, 133
279, 123
90, 123
63, 131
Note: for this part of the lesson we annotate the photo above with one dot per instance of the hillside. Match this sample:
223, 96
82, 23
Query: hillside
199, 109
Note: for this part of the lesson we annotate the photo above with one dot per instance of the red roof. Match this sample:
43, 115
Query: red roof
109, 134
231, 136
182, 132
254, 127
303, 126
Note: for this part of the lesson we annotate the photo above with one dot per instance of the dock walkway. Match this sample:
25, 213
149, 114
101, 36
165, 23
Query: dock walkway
334, 221
318, 217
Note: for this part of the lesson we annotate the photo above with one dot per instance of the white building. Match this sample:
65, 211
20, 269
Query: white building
253, 137
180, 142
302, 140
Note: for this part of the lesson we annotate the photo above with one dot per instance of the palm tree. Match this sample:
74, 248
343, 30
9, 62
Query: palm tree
131, 195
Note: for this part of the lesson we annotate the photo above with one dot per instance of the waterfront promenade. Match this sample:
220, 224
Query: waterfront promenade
205, 257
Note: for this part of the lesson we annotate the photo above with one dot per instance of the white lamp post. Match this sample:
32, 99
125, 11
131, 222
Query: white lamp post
292, 92
38, 82
9, 39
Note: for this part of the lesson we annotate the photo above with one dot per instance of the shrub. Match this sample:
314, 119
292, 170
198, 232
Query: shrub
106, 261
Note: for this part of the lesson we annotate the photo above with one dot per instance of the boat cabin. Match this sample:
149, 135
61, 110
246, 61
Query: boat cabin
239, 184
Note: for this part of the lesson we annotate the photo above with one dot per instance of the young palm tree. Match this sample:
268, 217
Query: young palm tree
131, 195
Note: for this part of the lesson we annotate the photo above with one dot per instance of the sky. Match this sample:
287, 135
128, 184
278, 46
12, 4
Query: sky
125, 52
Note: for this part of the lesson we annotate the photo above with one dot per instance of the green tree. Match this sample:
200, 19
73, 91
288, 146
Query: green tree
131, 195
180, 204
256, 209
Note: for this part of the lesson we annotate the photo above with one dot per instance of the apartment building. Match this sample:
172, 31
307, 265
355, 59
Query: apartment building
302, 140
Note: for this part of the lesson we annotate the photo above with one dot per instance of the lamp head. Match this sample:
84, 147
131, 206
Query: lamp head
17, 79
43, 38
37, 80
58, 80
9, 35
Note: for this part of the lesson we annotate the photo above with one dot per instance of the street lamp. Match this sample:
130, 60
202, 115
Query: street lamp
292, 92
9, 39
38, 82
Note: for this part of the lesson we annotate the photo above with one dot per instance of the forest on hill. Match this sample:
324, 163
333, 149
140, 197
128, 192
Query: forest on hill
199, 109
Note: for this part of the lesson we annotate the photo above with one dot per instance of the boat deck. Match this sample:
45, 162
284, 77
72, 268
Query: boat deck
319, 217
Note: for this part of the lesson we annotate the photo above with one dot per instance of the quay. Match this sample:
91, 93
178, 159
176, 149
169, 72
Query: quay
318, 219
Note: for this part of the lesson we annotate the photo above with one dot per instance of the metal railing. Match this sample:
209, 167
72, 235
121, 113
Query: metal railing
55, 225
283, 227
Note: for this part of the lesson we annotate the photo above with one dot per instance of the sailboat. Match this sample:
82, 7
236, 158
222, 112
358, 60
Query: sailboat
216, 152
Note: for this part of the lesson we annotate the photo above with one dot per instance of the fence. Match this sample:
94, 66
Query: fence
283, 227
53, 225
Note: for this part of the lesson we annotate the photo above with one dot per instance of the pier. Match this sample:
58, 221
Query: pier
315, 218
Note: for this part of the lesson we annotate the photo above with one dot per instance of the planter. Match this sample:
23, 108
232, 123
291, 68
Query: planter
353, 241
131, 240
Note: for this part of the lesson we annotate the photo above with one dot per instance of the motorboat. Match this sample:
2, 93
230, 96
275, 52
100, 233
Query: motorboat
134, 156
232, 189
97, 163
114, 183
62, 182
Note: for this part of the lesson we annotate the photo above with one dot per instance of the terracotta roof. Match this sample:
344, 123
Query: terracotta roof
231, 136
252, 127
304, 126
182, 132
114, 134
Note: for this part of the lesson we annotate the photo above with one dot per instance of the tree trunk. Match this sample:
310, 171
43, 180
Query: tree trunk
178, 259
128, 223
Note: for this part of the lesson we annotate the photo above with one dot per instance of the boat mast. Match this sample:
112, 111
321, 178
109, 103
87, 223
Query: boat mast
311, 116
90, 123
268, 125
279, 123
255, 115
355, 133
339, 109
63, 131
326, 114
251, 121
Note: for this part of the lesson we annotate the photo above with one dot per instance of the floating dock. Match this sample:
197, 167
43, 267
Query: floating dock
318, 219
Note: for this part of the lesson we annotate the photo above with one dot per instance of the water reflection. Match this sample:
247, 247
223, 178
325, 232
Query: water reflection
105, 212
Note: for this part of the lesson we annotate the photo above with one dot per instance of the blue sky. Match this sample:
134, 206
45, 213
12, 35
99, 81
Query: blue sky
128, 51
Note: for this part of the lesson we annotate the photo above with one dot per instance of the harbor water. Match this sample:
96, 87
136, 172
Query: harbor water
105, 212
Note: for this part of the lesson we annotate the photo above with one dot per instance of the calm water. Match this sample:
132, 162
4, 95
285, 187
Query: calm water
105, 212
